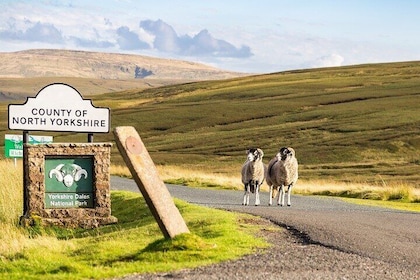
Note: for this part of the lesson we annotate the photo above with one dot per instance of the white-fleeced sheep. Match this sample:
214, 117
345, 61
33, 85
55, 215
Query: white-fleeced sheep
253, 174
282, 171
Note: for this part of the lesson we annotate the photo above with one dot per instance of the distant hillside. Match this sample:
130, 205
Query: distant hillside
132, 71
67, 63
354, 124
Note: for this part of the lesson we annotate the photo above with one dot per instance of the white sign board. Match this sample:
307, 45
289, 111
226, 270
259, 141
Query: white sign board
59, 107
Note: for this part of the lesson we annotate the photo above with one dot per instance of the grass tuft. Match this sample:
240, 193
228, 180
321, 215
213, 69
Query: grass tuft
397, 192
134, 245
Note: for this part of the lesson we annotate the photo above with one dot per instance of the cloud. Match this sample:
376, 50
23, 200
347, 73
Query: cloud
88, 43
128, 40
43, 32
20, 30
330, 60
202, 44
38, 32
166, 38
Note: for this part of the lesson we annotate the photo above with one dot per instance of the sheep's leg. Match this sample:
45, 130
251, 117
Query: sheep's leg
257, 193
281, 195
270, 202
275, 191
279, 190
244, 200
246, 195
289, 191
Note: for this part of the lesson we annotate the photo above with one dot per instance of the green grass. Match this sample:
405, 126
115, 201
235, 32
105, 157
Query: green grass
134, 245
398, 205
356, 124
347, 124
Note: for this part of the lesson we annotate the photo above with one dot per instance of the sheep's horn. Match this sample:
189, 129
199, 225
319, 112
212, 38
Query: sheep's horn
79, 174
57, 173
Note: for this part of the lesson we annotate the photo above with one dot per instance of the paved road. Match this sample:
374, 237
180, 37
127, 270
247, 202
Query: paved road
381, 234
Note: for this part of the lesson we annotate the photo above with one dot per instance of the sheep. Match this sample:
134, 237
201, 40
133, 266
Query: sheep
253, 174
282, 171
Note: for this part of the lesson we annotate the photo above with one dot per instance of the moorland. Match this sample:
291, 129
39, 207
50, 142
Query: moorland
353, 124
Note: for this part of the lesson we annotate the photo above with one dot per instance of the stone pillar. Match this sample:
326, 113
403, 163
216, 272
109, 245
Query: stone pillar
58, 197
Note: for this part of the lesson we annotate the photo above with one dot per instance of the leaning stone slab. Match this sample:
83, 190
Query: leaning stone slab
147, 178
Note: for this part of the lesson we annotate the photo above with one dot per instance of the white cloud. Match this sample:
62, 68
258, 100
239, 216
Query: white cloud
329, 61
88, 31
251, 38
129, 40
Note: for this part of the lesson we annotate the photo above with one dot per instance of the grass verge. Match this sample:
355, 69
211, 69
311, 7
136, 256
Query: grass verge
134, 245
405, 206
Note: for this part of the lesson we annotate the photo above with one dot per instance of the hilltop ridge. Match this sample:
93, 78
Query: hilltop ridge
97, 65
96, 72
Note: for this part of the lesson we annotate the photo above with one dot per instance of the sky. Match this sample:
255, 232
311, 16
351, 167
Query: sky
252, 36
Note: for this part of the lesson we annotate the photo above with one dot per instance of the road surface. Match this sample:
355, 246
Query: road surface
387, 236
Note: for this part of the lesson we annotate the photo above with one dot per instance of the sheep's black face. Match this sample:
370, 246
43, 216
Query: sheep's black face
285, 153
254, 154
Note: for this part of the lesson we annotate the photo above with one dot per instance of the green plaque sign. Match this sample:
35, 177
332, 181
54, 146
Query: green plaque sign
13, 144
69, 183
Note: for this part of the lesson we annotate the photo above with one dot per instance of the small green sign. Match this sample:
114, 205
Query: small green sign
13, 144
69, 182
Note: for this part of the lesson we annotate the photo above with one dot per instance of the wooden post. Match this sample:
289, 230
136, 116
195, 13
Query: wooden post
147, 179
24, 163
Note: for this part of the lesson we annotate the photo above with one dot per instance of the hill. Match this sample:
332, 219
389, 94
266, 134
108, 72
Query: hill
96, 72
358, 123
350, 124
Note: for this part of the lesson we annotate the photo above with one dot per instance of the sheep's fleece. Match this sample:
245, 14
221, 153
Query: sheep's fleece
253, 168
253, 174
282, 172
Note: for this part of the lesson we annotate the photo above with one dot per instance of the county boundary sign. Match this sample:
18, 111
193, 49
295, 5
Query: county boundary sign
64, 184
59, 107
